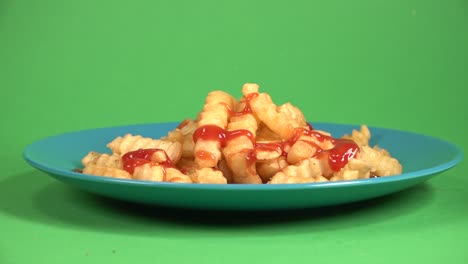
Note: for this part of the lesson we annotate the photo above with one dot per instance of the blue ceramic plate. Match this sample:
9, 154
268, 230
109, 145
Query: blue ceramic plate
421, 156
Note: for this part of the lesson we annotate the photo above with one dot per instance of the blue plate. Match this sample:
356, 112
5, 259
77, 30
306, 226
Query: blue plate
421, 156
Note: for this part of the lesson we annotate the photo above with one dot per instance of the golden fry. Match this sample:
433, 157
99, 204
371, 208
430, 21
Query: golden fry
239, 151
281, 120
129, 142
106, 171
103, 160
208, 176
184, 135
361, 137
267, 169
159, 173
216, 112
308, 170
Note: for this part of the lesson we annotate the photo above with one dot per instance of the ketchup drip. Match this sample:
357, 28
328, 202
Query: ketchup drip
211, 132
251, 158
140, 157
298, 132
247, 109
339, 155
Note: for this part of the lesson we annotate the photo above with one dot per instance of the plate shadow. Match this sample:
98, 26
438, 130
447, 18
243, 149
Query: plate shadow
34, 196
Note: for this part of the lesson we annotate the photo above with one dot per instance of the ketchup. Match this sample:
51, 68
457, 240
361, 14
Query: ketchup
212, 132
247, 109
130, 164
141, 157
205, 155
338, 156
298, 132
272, 146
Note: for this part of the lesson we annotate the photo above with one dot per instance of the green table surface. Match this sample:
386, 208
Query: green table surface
74, 65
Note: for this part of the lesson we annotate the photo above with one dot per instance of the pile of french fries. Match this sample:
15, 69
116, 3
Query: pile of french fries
246, 141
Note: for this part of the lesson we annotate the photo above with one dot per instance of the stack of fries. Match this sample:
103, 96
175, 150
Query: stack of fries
250, 141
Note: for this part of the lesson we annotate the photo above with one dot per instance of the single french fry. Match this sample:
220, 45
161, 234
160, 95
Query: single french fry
267, 169
208, 176
239, 151
281, 120
184, 135
215, 112
129, 142
98, 170
308, 170
361, 137
159, 173
103, 160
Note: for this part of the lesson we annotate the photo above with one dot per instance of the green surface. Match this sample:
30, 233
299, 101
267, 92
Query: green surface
73, 65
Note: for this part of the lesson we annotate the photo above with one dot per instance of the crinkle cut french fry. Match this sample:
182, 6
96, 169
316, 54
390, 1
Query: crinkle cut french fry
266, 134
187, 166
355, 169
104, 160
106, 171
266, 169
267, 153
361, 137
159, 173
380, 161
308, 170
300, 151
174, 175
239, 149
208, 176
215, 112
226, 171
281, 120
187, 145
147, 172
184, 135
129, 142
307, 146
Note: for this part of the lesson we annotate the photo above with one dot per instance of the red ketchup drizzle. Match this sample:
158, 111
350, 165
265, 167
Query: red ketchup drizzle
339, 155
298, 132
212, 132
273, 146
251, 157
204, 155
141, 157
247, 109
